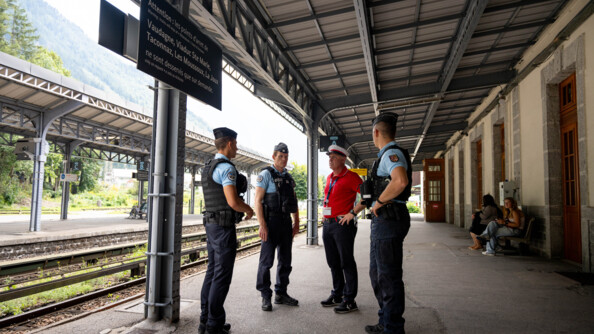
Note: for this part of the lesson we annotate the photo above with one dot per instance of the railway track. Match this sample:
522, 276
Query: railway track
193, 252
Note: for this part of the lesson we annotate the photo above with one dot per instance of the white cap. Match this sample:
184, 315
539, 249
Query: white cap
338, 150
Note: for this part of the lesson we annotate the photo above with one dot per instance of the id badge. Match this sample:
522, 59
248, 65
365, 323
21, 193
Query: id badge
327, 211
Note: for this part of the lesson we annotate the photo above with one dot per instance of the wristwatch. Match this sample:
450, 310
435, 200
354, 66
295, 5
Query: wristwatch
380, 202
353, 212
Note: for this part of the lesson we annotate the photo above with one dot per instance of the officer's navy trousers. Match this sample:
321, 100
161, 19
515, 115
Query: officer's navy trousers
385, 269
339, 244
221, 243
280, 238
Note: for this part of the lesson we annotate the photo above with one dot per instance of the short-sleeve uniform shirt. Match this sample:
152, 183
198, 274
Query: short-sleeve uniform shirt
266, 182
224, 173
340, 192
392, 159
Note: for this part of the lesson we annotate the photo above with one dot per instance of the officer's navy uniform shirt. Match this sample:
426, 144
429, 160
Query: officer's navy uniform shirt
392, 159
224, 173
266, 182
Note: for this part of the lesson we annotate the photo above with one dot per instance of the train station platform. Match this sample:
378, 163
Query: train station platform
449, 289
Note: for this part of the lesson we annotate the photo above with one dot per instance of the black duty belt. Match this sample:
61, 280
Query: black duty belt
332, 220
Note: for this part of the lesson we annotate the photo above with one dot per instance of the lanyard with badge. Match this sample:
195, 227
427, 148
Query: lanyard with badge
327, 211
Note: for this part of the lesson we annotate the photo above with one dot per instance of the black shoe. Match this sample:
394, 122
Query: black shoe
285, 299
202, 327
266, 304
331, 301
374, 329
346, 307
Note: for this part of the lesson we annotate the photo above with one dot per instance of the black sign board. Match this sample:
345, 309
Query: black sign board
75, 166
142, 165
141, 175
173, 50
326, 141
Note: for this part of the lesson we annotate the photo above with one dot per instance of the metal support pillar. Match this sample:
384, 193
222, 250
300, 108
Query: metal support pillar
66, 184
140, 193
41, 150
312, 184
193, 191
164, 248
248, 195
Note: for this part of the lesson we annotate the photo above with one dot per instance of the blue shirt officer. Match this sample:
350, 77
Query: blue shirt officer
389, 226
222, 205
275, 202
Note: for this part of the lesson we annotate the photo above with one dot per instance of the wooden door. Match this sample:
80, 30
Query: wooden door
434, 190
570, 172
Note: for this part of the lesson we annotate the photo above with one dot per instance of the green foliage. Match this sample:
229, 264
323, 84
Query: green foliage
13, 176
299, 174
19, 38
89, 174
412, 208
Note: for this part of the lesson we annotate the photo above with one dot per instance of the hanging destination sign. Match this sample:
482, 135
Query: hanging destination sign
173, 50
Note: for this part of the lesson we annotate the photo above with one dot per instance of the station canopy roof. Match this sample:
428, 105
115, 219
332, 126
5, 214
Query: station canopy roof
339, 63
102, 124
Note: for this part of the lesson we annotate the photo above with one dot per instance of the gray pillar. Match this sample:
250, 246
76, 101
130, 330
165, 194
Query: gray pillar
193, 191
312, 185
41, 150
248, 195
163, 299
65, 184
140, 192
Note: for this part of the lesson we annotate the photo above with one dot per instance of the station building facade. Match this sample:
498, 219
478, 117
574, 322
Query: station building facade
539, 134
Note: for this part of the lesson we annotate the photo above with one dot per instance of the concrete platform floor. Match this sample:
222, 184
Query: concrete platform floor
449, 289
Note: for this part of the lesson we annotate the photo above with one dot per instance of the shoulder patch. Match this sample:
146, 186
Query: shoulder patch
231, 176
260, 178
394, 158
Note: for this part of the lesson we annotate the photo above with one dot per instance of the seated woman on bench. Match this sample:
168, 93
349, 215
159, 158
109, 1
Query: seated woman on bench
481, 218
511, 225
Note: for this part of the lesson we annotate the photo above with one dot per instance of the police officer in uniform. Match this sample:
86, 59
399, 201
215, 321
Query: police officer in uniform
391, 178
223, 209
275, 202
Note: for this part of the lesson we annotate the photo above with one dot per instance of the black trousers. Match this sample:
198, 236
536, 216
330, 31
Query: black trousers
280, 238
339, 243
221, 243
385, 269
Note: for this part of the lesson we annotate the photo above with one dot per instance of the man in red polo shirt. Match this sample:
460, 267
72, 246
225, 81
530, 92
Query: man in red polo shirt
340, 229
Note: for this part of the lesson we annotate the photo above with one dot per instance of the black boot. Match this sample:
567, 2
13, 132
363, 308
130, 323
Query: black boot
266, 304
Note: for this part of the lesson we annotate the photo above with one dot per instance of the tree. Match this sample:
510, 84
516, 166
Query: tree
19, 38
299, 174
89, 174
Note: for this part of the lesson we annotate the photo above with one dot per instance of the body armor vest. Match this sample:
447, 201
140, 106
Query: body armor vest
381, 182
214, 196
284, 199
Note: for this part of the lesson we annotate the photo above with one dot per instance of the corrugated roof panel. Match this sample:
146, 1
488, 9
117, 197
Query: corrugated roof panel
344, 49
436, 31
393, 58
338, 25
393, 14
321, 6
40, 98
350, 66
303, 33
285, 9
311, 55
392, 40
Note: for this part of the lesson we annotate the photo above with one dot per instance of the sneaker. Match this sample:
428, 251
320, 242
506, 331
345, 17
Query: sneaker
488, 253
374, 329
346, 307
331, 301
202, 328
266, 304
285, 299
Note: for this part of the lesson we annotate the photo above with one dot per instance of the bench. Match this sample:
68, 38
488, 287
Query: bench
523, 241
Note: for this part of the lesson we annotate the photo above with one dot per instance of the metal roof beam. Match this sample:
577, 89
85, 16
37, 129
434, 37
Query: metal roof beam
363, 22
465, 32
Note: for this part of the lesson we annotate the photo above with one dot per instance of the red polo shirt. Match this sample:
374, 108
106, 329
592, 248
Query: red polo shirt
343, 194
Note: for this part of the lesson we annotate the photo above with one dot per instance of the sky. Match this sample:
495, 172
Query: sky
259, 128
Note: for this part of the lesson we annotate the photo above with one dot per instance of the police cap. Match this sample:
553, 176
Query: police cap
282, 148
387, 117
224, 132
